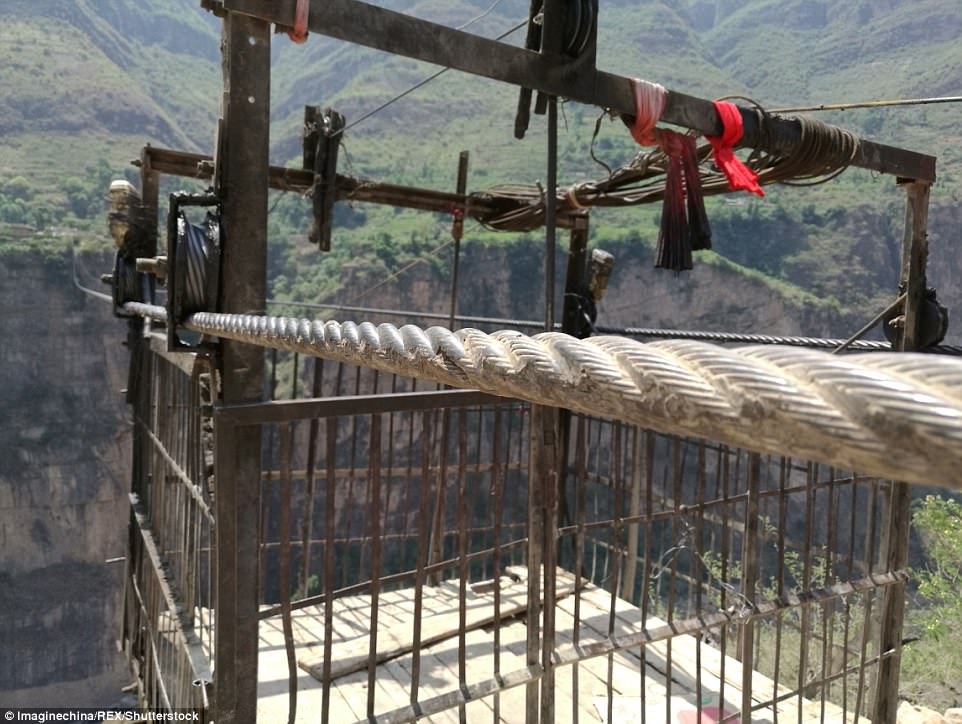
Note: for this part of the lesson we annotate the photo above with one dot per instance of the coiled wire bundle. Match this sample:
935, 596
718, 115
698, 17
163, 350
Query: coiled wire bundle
821, 153
194, 259
195, 249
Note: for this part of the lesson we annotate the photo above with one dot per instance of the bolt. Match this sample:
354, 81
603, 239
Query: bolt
155, 266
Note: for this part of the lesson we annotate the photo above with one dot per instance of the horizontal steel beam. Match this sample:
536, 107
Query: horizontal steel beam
288, 410
568, 654
375, 27
347, 188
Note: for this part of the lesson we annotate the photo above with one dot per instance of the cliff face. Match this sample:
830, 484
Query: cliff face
64, 444
506, 281
945, 265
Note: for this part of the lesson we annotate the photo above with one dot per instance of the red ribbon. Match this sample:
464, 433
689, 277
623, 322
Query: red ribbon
299, 32
740, 177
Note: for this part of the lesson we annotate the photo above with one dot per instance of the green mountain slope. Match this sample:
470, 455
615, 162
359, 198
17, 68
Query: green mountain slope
86, 83
90, 82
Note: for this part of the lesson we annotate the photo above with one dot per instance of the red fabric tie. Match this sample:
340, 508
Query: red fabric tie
740, 177
299, 32
684, 224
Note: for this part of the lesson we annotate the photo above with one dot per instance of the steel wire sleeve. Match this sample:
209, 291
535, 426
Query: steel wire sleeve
890, 415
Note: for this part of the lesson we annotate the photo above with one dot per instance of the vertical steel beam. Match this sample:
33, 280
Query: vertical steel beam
634, 508
576, 282
551, 216
915, 253
147, 218
139, 395
149, 197
575, 285
225, 614
544, 439
243, 191
550, 481
457, 231
751, 563
535, 553
895, 539
542, 558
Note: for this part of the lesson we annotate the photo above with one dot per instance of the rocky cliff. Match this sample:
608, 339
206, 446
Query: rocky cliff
64, 443
506, 281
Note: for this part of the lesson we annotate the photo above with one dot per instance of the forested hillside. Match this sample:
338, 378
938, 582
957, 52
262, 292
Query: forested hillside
87, 83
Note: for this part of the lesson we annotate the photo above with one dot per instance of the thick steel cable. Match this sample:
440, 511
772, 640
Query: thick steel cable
891, 415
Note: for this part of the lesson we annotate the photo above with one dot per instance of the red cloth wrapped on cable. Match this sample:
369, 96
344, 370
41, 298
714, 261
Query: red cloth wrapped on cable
740, 177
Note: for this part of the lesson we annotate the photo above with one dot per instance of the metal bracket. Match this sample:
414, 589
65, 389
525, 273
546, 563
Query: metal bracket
215, 7
322, 139
574, 35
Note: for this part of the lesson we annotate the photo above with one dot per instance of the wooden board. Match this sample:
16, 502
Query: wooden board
679, 656
584, 691
394, 638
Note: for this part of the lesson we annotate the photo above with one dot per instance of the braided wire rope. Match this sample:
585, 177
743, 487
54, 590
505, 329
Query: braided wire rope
891, 415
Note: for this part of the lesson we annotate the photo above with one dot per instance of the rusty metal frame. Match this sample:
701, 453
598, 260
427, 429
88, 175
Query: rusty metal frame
347, 188
231, 421
169, 560
243, 177
550, 73
554, 657
183, 620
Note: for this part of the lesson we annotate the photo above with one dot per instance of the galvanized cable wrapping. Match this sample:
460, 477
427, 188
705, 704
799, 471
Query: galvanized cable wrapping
891, 415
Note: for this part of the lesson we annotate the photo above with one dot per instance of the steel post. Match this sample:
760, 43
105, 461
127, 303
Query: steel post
895, 538
243, 191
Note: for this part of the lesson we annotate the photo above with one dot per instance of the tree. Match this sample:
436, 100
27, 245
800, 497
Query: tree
931, 665
939, 523
78, 196
18, 188
13, 212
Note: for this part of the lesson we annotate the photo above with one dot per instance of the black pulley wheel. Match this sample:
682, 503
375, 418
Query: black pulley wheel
126, 282
933, 325
579, 26
192, 264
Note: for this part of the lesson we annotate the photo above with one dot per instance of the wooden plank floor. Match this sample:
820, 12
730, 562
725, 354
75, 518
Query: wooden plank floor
590, 691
